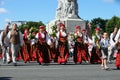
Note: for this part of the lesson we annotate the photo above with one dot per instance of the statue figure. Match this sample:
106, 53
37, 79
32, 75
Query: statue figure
74, 7
59, 9
66, 8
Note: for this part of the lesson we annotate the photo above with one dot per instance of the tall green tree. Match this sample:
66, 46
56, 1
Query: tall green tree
98, 22
113, 22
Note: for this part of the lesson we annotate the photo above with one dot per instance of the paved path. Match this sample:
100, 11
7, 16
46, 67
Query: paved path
33, 71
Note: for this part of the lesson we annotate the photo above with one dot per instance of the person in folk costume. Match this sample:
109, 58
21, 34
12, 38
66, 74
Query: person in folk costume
71, 38
16, 40
79, 48
117, 36
33, 44
62, 48
104, 44
113, 48
117, 63
85, 41
5, 45
117, 41
53, 48
43, 46
26, 47
96, 53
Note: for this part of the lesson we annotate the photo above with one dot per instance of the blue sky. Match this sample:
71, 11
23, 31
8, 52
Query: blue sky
44, 10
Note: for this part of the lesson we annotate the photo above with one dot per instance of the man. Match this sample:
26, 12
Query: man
117, 36
113, 47
16, 40
5, 45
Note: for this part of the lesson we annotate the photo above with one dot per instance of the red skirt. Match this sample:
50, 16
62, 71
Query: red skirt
43, 53
95, 56
117, 64
26, 57
63, 52
79, 53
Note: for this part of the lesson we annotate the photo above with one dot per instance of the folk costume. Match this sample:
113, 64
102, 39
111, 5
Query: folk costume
117, 64
62, 49
43, 50
86, 41
79, 49
26, 47
16, 40
113, 48
96, 53
33, 45
53, 49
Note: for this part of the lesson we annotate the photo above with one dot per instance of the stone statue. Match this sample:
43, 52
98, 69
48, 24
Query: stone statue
59, 9
66, 8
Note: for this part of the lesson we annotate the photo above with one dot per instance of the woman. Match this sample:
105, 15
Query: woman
63, 51
95, 56
117, 64
79, 49
43, 53
26, 47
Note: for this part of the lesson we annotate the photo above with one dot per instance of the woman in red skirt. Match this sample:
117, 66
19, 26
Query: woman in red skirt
62, 49
43, 46
79, 49
117, 64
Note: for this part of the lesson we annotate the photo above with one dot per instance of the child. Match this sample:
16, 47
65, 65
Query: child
104, 44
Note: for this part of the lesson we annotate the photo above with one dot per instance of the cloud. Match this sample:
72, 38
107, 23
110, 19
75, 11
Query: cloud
109, 1
3, 10
7, 20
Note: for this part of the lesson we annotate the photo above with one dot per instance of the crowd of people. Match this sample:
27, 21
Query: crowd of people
43, 48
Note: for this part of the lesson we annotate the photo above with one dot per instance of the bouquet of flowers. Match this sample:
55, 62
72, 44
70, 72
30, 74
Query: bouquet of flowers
54, 30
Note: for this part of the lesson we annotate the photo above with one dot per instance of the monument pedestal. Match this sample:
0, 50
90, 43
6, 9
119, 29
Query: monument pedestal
70, 24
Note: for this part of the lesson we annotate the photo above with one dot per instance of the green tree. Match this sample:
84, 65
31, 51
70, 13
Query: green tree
31, 24
113, 22
98, 22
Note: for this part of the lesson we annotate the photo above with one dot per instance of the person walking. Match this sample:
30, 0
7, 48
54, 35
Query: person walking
5, 45
16, 40
104, 44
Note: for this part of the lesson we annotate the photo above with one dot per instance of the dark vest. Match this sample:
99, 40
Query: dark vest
15, 37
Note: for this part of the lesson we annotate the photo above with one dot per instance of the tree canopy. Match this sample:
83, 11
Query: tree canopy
30, 25
113, 22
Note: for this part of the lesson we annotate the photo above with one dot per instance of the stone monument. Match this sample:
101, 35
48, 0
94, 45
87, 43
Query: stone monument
67, 13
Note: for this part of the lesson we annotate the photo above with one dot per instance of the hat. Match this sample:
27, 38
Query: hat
62, 25
98, 29
83, 30
77, 27
41, 27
